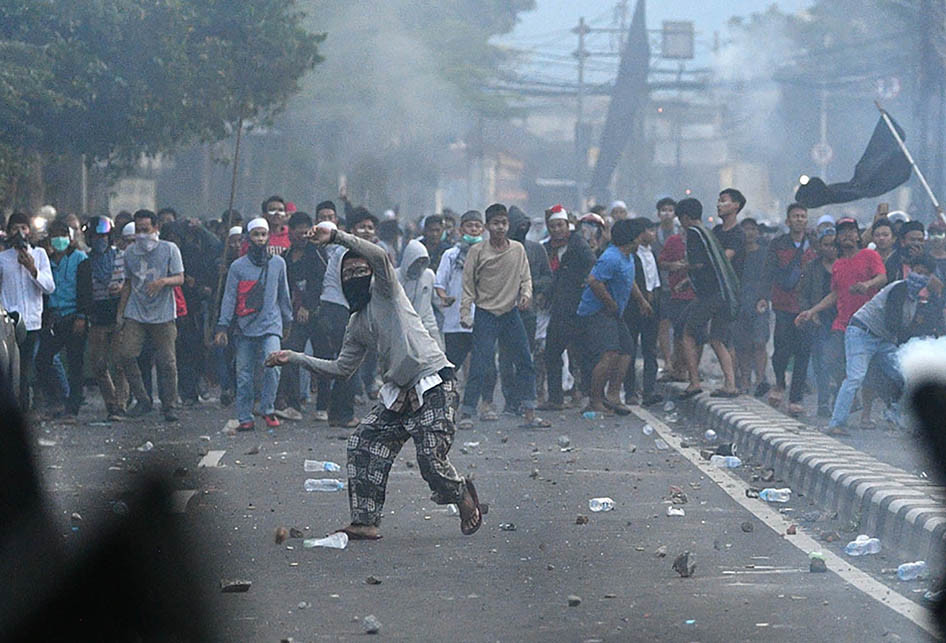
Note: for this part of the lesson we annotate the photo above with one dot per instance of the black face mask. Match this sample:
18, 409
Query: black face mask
357, 291
257, 254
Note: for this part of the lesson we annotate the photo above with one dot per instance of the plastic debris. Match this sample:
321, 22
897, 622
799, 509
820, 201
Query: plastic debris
590, 415
648, 429
669, 406
600, 504
235, 586
147, 446
661, 552
776, 495
323, 484
863, 545
816, 563
661, 445
471, 445
338, 540
726, 462
371, 580
507, 526
675, 511
710, 435
574, 601
319, 465
913, 571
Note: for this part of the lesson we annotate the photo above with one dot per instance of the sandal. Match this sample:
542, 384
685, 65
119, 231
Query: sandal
489, 416
535, 423
725, 394
796, 410
775, 398
690, 392
465, 423
617, 407
478, 511
355, 535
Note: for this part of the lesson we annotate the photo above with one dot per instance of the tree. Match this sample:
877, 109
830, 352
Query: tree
115, 79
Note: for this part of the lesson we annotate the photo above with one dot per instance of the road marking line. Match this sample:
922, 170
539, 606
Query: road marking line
735, 488
212, 459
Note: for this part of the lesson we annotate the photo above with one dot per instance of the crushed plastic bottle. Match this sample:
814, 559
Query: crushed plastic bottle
776, 495
590, 415
661, 445
725, 461
913, 571
319, 465
324, 484
675, 511
710, 435
338, 540
862, 546
147, 446
601, 504
648, 429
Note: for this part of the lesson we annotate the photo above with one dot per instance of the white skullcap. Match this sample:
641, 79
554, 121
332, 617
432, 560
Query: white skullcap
235, 230
618, 204
389, 214
258, 222
825, 218
129, 229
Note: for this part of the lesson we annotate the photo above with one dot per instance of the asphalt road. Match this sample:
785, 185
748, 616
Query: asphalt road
437, 584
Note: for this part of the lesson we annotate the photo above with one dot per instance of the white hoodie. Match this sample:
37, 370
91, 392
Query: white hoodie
420, 288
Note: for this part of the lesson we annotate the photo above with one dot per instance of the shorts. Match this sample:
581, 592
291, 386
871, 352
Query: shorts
753, 330
676, 312
603, 334
712, 310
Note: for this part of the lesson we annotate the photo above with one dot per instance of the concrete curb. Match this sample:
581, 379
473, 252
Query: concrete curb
906, 512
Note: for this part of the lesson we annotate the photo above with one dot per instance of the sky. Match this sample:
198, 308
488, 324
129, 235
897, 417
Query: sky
547, 29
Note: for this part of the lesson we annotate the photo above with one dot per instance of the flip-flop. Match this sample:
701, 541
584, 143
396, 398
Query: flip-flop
353, 535
481, 510
620, 409
725, 394
489, 416
536, 423
687, 394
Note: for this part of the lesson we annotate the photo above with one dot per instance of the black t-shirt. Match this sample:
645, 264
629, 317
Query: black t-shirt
701, 272
733, 239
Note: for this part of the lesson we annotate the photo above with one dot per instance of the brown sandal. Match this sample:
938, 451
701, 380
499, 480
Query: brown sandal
354, 535
480, 510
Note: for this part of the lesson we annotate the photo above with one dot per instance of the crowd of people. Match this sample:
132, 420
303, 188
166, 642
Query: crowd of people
556, 319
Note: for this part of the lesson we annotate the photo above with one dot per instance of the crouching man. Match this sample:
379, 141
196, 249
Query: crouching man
417, 400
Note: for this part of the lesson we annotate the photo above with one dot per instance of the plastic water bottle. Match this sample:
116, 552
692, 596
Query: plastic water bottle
776, 495
648, 429
324, 484
710, 435
862, 546
725, 461
913, 571
319, 465
600, 504
338, 540
589, 415
661, 445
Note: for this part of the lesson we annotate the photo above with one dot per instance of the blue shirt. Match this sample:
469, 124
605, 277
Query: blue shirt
63, 299
616, 272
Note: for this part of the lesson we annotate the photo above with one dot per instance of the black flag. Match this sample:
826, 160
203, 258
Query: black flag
883, 167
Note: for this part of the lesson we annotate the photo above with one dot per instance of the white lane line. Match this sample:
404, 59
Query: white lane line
212, 459
735, 488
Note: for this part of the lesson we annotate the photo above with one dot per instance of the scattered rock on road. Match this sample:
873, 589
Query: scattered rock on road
281, 535
295, 532
684, 564
574, 601
371, 580
235, 586
371, 624
661, 552
747, 527
816, 564
507, 526
253, 450
581, 519
563, 441
792, 530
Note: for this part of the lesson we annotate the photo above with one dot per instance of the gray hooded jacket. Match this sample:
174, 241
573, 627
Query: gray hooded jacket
418, 282
406, 351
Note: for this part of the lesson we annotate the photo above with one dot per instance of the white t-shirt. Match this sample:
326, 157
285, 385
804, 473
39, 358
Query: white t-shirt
651, 274
450, 278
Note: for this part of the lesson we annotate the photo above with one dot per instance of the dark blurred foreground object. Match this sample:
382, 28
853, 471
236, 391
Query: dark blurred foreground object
883, 167
135, 580
929, 406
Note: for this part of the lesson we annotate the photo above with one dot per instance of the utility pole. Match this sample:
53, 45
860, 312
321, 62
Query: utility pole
580, 151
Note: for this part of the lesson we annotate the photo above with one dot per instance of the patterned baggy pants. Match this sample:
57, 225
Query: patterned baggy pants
380, 436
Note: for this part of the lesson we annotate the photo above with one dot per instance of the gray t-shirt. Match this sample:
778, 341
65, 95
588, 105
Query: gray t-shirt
332, 282
141, 268
873, 313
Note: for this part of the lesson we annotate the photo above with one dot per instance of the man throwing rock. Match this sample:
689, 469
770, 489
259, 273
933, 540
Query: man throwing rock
418, 399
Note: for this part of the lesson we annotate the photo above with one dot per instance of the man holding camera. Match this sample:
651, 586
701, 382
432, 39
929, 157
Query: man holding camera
25, 276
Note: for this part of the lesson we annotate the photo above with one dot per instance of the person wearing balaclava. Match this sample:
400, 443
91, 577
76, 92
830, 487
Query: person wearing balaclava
418, 398
418, 282
257, 296
147, 312
64, 327
879, 327
99, 283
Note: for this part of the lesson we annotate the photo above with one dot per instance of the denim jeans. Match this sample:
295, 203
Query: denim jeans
511, 333
859, 347
250, 353
821, 338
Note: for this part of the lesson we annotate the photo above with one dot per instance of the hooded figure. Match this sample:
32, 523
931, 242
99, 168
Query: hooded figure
418, 283
519, 225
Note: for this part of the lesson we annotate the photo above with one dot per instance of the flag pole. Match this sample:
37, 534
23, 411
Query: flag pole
906, 152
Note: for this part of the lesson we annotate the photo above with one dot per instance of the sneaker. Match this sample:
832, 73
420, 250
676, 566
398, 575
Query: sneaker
288, 413
140, 409
271, 421
320, 416
249, 425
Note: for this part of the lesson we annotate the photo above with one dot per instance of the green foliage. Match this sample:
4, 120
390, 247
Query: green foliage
114, 79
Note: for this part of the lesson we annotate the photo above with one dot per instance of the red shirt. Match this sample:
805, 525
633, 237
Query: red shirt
278, 242
675, 250
863, 266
